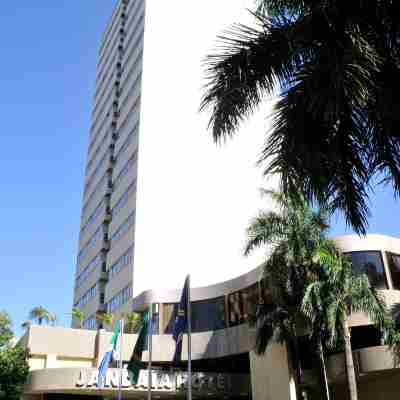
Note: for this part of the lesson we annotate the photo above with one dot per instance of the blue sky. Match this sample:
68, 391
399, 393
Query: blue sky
47, 73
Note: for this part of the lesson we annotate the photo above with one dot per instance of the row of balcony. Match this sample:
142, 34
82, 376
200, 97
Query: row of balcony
110, 160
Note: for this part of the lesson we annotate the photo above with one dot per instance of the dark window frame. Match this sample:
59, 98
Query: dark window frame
389, 255
349, 253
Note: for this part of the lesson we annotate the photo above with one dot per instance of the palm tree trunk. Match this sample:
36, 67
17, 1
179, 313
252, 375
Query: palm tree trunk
324, 375
351, 375
296, 364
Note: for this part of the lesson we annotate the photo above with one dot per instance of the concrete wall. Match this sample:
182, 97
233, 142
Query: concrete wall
63, 342
271, 378
60, 347
380, 387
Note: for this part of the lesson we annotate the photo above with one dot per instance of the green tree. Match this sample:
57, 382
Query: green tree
26, 325
294, 233
13, 372
6, 332
329, 300
107, 319
79, 316
40, 315
13, 366
134, 322
336, 121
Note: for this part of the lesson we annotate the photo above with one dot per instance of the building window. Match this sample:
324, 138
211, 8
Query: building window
123, 200
84, 274
155, 320
97, 189
394, 266
207, 315
127, 141
123, 228
95, 172
90, 323
123, 261
371, 264
243, 304
119, 299
125, 169
92, 219
88, 296
89, 244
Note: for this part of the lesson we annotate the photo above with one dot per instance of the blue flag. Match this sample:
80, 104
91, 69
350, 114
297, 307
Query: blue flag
109, 357
181, 321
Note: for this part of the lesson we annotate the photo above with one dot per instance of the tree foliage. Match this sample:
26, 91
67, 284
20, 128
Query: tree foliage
335, 291
105, 319
79, 316
6, 332
295, 231
309, 287
134, 322
13, 372
42, 315
336, 121
13, 366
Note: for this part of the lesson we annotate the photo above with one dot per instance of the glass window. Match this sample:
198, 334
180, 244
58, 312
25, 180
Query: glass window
119, 299
155, 319
168, 320
394, 266
243, 303
371, 264
208, 315
236, 311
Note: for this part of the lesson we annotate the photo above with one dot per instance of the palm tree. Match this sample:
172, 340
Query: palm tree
107, 319
26, 325
40, 315
335, 124
295, 231
329, 300
134, 322
79, 316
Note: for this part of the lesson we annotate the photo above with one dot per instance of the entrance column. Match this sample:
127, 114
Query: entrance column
271, 377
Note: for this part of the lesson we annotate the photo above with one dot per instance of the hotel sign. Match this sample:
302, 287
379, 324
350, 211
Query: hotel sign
168, 381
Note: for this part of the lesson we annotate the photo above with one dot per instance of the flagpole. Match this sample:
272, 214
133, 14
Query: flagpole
150, 339
189, 329
120, 359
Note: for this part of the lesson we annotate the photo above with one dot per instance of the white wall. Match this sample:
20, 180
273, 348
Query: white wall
194, 198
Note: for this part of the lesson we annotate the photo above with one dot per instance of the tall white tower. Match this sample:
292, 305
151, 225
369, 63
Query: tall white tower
161, 200
194, 198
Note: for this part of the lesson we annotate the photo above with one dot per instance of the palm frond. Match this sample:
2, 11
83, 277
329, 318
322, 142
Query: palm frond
368, 300
280, 7
250, 63
266, 228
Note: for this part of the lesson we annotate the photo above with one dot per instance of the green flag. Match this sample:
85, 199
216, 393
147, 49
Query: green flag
135, 363
114, 340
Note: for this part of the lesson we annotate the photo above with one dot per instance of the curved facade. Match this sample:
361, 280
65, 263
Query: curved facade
222, 340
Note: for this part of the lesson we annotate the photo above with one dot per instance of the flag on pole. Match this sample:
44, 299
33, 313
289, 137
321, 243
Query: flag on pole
109, 356
181, 322
135, 363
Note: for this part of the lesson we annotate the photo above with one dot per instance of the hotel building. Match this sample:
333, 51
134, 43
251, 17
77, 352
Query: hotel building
161, 201
106, 240
64, 361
